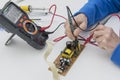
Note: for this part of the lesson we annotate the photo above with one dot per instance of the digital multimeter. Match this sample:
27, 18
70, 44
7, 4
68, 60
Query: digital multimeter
16, 21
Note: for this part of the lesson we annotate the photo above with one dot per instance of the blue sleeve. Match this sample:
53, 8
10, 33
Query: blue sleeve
96, 10
116, 55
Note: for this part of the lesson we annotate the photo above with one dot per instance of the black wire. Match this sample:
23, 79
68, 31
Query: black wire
56, 28
36, 19
86, 30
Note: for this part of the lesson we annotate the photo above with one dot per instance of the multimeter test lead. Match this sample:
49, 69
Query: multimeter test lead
35, 11
29, 8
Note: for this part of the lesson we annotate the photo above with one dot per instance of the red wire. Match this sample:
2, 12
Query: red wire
46, 27
60, 16
87, 40
54, 14
59, 38
90, 37
82, 37
116, 15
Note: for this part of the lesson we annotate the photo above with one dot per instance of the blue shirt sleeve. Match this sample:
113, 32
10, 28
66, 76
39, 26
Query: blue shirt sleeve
116, 55
96, 10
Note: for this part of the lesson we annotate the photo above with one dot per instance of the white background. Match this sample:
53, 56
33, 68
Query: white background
19, 61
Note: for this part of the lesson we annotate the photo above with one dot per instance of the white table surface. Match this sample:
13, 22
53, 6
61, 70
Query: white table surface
19, 61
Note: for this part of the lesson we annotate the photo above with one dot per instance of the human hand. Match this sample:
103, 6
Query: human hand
81, 20
106, 38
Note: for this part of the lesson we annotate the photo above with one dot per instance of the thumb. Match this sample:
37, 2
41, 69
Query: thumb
77, 31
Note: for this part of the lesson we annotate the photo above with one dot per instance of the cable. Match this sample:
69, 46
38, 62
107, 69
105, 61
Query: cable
54, 14
59, 38
116, 15
59, 16
29, 8
86, 30
88, 40
56, 28
74, 19
83, 39
46, 27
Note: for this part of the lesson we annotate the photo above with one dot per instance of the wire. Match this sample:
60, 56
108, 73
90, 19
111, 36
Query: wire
116, 15
54, 14
86, 30
36, 19
59, 15
56, 28
74, 19
46, 27
89, 38
59, 38
83, 39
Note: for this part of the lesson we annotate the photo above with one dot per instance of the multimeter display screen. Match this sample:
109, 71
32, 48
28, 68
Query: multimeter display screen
12, 13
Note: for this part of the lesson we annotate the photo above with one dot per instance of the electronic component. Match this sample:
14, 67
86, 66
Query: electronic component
16, 21
68, 56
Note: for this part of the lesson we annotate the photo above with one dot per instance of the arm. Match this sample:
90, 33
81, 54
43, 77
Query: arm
116, 55
108, 40
96, 10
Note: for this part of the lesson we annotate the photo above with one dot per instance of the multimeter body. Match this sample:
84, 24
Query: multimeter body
16, 21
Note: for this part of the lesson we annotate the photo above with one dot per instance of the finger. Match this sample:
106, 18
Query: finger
79, 19
102, 44
98, 34
70, 35
78, 30
99, 39
75, 21
68, 30
99, 27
